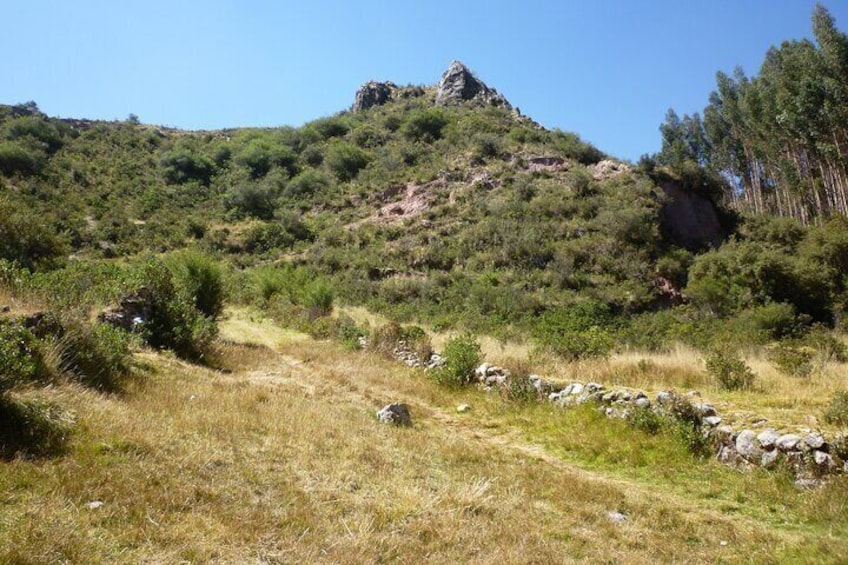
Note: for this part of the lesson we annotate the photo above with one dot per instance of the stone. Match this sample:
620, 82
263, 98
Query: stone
815, 441
373, 94
712, 421
458, 84
787, 442
594, 387
770, 458
616, 517
664, 397
704, 410
5, 309
396, 414
807, 483
724, 434
94, 504
824, 461
575, 389
748, 447
133, 311
463, 408
642, 402
482, 371
768, 438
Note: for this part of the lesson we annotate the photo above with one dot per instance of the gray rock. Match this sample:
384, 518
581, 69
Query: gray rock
704, 410
575, 389
824, 461
815, 441
664, 398
748, 447
768, 438
463, 408
616, 517
482, 371
807, 483
770, 458
787, 442
724, 434
712, 421
594, 387
642, 402
372, 94
395, 414
458, 84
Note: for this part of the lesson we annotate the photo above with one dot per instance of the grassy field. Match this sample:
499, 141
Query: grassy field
278, 459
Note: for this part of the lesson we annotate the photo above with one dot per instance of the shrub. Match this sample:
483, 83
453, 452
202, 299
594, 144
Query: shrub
174, 322
518, 386
647, 420
575, 333
252, 199
837, 410
307, 183
27, 238
730, 372
32, 428
462, 355
345, 160
793, 361
181, 165
97, 356
424, 125
21, 358
200, 275
318, 298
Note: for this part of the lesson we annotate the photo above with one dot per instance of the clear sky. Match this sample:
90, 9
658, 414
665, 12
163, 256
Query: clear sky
605, 69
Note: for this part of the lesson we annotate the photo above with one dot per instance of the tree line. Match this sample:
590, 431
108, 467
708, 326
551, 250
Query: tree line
778, 141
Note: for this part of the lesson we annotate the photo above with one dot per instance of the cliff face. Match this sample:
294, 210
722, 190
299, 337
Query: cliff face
690, 219
458, 84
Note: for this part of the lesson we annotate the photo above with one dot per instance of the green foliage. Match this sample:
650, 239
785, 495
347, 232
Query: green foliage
462, 355
424, 125
21, 358
575, 332
837, 411
98, 356
32, 428
792, 361
260, 155
730, 372
201, 277
181, 165
345, 160
518, 387
18, 158
174, 323
252, 199
28, 238
647, 420
308, 183
318, 296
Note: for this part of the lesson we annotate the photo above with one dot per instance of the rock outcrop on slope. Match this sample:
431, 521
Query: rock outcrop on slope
458, 84
690, 219
373, 93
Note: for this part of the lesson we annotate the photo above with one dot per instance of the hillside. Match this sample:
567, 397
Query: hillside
197, 327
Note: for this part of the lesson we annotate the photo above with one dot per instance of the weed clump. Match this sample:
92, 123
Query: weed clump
730, 372
837, 410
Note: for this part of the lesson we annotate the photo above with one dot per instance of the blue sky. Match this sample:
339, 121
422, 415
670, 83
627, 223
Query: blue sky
605, 69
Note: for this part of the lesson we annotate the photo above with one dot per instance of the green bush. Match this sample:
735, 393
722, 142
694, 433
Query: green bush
792, 361
97, 356
462, 356
28, 238
424, 125
252, 199
174, 322
21, 358
181, 165
576, 332
200, 275
318, 298
345, 160
518, 387
837, 410
647, 420
730, 372
32, 428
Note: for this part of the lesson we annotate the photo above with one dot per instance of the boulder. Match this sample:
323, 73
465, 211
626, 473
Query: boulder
768, 438
132, 311
395, 414
458, 84
372, 94
788, 442
770, 458
748, 447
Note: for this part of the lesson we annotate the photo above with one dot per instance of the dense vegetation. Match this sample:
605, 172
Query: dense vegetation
778, 139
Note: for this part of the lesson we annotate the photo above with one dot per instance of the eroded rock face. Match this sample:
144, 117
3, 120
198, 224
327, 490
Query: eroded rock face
372, 94
395, 414
458, 84
690, 218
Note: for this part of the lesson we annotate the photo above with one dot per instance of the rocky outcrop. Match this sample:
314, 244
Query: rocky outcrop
690, 219
458, 84
132, 311
372, 94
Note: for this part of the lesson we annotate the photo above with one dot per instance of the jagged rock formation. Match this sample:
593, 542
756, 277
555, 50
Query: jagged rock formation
373, 93
458, 84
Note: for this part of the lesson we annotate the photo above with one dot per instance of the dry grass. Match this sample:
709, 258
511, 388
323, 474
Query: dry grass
282, 461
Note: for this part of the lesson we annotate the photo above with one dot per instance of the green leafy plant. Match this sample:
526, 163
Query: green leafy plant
462, 355
837, 411
729, 371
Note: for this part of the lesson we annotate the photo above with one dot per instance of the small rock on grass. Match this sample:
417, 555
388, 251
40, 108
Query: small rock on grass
463, 408
396, 414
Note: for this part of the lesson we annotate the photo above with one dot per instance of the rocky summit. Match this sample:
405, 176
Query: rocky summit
458, 84
373, 93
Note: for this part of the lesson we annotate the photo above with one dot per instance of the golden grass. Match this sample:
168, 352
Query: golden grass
282, 461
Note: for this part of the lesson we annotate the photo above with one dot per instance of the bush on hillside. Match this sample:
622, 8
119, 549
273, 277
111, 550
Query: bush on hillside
201, 277
729, 371
462, 356
837, 411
